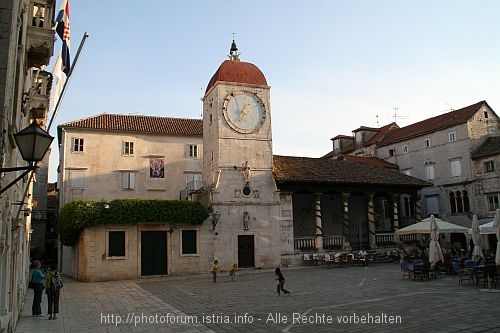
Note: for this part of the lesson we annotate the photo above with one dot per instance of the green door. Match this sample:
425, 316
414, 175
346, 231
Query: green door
153, 253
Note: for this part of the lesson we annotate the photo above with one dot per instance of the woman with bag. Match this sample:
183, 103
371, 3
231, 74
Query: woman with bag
52, 291
37, 279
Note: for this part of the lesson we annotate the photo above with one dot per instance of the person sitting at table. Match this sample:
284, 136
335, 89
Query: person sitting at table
478, 260
456, 258
490, 257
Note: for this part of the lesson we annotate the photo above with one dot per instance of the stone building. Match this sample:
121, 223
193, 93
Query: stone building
267, 210
456, 152
26, 46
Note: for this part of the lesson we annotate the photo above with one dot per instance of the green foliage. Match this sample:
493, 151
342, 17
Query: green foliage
80, 214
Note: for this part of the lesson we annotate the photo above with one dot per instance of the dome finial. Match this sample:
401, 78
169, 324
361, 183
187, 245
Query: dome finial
233, 52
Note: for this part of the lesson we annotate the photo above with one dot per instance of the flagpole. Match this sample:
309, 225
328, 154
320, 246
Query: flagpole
56, 108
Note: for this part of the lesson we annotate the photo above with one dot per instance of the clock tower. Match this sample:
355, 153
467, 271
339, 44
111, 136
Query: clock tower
237, 166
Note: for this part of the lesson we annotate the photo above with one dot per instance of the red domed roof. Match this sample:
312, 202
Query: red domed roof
237, 71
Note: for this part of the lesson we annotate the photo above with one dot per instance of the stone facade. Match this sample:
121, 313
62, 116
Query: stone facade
101, 170
431, 155
26, 43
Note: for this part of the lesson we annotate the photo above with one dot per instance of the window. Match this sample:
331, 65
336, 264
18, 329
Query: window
116, 244
453, 203
432, 204
128, 180
193, 181
427, 143
38, 15
493, 202
407, 172
77, 178
459, 202
193, 151
452, 137
489, 166
409, 207
405, 149
456, 169
189, 242
77, 145
429, 172
486, 114
128, 148
391, 152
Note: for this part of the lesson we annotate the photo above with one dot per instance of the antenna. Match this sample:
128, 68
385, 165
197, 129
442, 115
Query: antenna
377, 121
396, 116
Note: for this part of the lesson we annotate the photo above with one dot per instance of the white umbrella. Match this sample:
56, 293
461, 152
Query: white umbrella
423, 227
496, 224
476, 238
435, 252
486, 229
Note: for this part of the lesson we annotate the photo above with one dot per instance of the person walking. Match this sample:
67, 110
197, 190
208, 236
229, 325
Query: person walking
214, 269
37, 277
280, 282
232, 272
52, 290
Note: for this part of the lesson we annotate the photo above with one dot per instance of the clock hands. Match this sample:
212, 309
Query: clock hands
244, 113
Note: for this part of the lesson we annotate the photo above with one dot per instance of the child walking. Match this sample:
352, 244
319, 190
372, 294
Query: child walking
280, 282
232, 272
213, 269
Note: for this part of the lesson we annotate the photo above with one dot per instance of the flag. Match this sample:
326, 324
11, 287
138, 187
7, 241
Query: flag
62, 29
57, 73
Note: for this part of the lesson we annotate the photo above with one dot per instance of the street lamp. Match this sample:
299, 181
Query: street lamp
215, 219
33, 143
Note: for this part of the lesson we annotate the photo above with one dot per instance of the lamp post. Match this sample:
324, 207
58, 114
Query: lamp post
33, 143
215, 219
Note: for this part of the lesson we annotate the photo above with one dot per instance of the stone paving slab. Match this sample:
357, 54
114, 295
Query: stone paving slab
354, 299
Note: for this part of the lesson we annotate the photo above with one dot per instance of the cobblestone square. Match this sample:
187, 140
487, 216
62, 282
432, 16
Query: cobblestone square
353, 299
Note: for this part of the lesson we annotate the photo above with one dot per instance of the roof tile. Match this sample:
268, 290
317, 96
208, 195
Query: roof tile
141, 124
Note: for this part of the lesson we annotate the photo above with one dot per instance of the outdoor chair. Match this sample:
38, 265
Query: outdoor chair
317, 258
328, 260
462, 273
492, 275
308, 260
337, 260
406, 271
344, 260
479, 275
418, 265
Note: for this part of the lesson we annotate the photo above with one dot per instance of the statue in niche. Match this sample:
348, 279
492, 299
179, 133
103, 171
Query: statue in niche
256, 194
237, 193
246, 219
246, 171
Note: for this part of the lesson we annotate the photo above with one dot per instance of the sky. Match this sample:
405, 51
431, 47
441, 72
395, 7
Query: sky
333, 66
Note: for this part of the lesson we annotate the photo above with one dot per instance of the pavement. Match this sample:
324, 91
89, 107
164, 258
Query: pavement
351, 299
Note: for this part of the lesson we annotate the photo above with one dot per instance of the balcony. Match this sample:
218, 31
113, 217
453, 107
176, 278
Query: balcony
40, 36
38, 98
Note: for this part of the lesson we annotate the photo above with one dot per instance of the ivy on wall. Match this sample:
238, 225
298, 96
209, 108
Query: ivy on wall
77, 215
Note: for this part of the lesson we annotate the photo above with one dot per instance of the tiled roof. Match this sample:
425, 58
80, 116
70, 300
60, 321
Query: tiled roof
290, 169
381, 132
429, 125
141, 124
371, 160
237, 71
490, 147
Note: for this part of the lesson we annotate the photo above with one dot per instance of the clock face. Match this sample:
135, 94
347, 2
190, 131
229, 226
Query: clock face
244, 111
